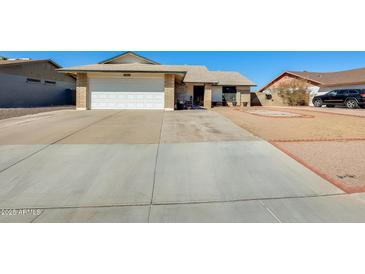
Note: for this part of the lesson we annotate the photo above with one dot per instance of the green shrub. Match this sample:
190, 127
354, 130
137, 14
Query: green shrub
293, 92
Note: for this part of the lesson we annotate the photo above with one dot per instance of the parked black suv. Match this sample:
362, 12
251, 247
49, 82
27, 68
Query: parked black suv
351, 98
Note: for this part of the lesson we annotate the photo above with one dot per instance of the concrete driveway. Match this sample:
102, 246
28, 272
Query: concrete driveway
155, 166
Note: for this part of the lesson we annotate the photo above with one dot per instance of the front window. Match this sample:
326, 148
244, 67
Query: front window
229, 94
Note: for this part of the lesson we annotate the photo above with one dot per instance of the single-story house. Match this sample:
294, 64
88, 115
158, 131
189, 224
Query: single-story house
318, 83
34, 83
131, 81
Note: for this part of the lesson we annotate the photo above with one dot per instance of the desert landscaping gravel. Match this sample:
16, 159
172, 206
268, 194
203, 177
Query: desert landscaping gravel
331, 143
319, 125
335, 110
16, 112
343, 161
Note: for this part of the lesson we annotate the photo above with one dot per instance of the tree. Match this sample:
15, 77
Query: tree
294, 92
3, 58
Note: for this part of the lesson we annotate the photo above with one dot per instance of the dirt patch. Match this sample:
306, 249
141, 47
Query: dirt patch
342, 162
322, 126
16, 112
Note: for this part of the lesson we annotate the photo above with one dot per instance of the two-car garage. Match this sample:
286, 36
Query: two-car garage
126, 91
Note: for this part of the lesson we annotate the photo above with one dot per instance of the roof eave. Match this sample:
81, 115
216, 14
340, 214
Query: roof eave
277, 78
111, 71
344, 84
201, 82
237, 84
32, 62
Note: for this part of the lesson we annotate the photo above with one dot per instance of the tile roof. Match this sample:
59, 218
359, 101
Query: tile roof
131, 67
193, 74
334, 78
231, 78
337, 78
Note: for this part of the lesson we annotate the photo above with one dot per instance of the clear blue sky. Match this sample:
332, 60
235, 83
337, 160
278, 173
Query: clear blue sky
260, 66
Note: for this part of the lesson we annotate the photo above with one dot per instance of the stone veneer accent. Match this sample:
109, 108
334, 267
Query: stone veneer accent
169, 92
81, 91
208, 96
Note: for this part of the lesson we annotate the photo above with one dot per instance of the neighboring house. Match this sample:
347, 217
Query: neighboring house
130, 81
33, 83
318, 83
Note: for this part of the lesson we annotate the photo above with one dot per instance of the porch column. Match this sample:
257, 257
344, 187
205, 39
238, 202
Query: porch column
207, 96
169, 91
82, 91
243, 96
238, 98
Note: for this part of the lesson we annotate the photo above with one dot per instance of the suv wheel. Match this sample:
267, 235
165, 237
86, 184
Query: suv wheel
351, 103
317, 103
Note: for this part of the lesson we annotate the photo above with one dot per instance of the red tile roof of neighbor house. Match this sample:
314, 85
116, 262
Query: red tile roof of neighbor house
337, 78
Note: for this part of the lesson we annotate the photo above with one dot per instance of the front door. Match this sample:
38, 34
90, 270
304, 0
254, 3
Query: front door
198, 99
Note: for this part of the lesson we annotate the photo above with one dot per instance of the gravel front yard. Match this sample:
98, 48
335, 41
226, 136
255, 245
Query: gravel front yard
317, 126
16, 112
341, 161
336, 110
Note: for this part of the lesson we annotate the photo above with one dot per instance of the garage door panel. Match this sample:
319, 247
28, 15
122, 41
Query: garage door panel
116, 93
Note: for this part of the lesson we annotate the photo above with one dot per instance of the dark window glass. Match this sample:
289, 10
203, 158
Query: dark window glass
229, 93
229, 89
353, 92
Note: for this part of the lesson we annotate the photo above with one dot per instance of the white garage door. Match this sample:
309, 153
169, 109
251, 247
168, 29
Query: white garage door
127, 93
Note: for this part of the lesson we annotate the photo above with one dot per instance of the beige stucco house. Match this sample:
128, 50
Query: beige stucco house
130, 81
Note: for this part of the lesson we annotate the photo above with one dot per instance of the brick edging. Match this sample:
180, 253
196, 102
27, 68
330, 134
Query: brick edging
337, 183
317, 140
